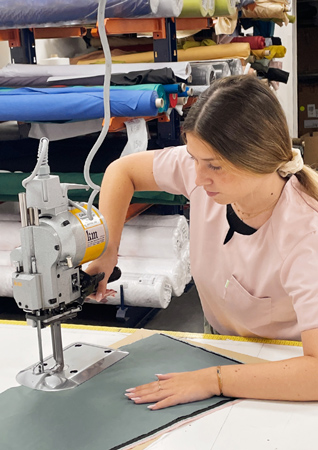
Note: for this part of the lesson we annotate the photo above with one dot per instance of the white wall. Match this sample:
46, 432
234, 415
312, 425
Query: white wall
287, 93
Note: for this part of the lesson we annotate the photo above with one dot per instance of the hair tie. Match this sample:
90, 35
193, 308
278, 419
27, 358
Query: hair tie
293, 166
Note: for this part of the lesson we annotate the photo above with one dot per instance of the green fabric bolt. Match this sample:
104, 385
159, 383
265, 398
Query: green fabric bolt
97, 415
11, 185
148, 87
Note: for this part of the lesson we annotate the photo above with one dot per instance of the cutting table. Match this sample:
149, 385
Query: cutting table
246, 424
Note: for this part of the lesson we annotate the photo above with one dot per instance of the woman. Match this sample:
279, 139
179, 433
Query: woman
253, 235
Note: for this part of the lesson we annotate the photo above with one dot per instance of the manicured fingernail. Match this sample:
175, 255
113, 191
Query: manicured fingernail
130, 389
150, 406
158, 374
135, 398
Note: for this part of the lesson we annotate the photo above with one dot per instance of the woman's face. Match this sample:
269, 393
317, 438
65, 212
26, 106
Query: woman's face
223, 182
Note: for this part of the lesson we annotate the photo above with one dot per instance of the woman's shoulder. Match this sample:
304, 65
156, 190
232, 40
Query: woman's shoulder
295, 217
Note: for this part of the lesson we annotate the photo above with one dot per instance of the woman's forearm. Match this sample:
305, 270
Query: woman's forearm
293, 379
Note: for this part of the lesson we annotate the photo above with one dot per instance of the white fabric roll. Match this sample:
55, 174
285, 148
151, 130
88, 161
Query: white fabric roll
9, 235
173, 220
6, 281
147, 290
171, 268
185, 258
169, 8
10, 211
5, 258
150, 242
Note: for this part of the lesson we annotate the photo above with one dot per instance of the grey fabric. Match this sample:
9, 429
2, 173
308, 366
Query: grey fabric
96, 415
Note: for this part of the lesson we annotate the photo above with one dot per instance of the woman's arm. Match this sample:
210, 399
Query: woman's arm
294, 379
122, 178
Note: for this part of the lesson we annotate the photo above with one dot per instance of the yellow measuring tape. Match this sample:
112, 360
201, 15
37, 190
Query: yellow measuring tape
180, 334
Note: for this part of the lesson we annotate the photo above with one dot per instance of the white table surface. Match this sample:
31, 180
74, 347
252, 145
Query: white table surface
248, 424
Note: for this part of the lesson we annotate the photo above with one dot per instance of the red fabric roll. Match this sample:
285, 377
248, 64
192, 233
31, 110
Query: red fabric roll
256, 42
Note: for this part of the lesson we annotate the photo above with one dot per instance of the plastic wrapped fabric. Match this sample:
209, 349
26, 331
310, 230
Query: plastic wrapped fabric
147, 290
36, 13
151, 242
6, 289
5, 258
170, 220
73, 104
10, 234
172, 268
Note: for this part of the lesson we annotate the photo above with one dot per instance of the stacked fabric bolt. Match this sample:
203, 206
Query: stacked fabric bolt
154, 260
10, 238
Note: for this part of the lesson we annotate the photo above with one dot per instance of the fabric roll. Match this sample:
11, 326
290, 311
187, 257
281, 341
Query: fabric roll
211, 8
56, 73
10, 211
169, 8
224, 8
73, 104
170, 220
226, 24
10, 235
158, 88
54, 12
197, 90
171, 268
235, 50
195, 8
185, 258
147, 290
5, 259
180, 69
266, 10
150, 242
256, 42
274, 51
6, 289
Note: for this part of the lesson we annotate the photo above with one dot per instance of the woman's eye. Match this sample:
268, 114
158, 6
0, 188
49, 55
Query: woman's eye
210, 166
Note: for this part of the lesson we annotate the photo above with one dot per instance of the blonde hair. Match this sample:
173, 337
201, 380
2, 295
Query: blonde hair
243, 121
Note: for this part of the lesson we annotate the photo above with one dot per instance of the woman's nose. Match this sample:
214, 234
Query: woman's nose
202, 177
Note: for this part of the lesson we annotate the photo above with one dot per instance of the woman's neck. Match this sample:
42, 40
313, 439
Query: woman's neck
256, 208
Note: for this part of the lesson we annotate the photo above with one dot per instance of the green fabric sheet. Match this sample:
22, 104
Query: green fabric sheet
97, 415
11, 185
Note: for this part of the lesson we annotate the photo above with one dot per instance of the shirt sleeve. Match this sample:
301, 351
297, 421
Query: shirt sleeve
300, 280
174, 170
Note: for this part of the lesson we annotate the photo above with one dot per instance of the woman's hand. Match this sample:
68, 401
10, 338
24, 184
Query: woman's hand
176, 388
106, 264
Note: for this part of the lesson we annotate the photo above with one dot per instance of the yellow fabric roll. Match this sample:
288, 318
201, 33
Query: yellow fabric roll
276, 51
233, 50
194, 8
224, 8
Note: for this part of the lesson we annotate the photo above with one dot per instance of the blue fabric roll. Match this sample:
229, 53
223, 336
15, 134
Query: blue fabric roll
73, 104
172, 88
27, 13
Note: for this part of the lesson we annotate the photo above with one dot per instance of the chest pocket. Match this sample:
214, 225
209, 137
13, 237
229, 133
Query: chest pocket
246, 310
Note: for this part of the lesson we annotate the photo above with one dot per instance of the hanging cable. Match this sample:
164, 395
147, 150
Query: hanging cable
101, 137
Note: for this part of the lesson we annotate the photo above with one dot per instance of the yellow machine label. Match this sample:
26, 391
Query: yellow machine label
94, 231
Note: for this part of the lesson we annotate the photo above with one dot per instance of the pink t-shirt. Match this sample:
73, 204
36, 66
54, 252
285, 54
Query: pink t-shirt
261, 285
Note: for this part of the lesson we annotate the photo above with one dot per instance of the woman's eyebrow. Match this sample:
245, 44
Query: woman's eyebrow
204, 159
